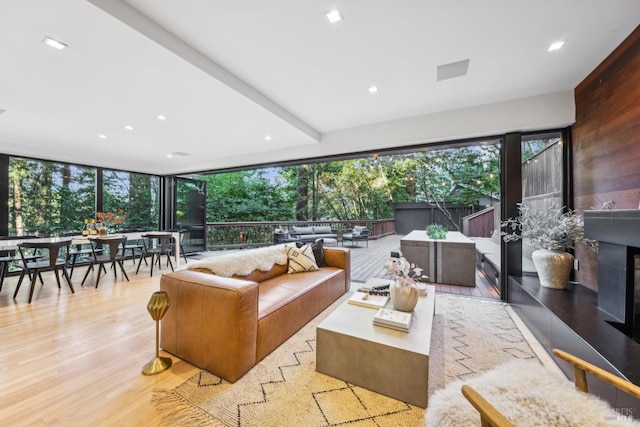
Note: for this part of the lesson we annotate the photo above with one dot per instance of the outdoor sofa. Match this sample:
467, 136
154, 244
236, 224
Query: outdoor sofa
305, 234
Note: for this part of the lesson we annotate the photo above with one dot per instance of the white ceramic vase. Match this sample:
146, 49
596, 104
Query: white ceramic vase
553, 267
403, 296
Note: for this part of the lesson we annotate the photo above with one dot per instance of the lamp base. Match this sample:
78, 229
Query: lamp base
157, 365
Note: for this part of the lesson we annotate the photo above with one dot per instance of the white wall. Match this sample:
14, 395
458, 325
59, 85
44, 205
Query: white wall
550, 111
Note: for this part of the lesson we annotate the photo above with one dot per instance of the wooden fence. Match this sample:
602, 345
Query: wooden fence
416, 216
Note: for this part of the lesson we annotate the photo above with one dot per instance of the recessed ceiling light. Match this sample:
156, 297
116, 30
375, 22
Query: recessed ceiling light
161, 117
373, 89
102, 136
127, 127
53, 43
556, 45
267, 138
169, 156
333, 16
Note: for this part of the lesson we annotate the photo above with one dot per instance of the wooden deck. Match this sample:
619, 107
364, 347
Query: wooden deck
368, 262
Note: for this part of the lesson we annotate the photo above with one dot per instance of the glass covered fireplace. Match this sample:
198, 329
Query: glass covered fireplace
618, 234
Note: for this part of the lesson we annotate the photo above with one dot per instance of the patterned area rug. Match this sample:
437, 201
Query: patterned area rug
470, 336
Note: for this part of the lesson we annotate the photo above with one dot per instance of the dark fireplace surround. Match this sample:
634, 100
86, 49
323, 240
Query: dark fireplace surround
618, 236
595, 326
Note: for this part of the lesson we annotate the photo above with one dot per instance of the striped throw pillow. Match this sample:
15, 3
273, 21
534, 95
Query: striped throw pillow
300, 259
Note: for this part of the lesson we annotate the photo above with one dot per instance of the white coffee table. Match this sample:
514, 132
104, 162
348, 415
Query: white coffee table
390, 362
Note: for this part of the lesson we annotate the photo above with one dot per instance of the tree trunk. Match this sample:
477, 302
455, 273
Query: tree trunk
302, 190
17, 202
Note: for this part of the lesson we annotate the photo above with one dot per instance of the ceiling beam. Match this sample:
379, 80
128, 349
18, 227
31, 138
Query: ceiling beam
152, 30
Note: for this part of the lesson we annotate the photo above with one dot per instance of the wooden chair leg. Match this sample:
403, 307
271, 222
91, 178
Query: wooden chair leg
4, 266
55, 270
19, 283
89, 268
142, 256
33, 285
121, 264
153, 259
68, 277
100, 273
73, 263
169, 261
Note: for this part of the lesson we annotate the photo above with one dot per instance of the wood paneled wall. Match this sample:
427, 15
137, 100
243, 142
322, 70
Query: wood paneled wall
606, 141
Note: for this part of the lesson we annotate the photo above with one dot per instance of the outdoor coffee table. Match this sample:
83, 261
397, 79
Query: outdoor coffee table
394, 363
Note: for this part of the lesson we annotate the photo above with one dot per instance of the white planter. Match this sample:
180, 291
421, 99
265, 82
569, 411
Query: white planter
553, 267
404, 297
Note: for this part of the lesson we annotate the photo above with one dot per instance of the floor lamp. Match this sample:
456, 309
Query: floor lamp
157, 307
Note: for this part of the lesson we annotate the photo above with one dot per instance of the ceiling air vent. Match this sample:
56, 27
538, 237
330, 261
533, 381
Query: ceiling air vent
180, 153
452, 70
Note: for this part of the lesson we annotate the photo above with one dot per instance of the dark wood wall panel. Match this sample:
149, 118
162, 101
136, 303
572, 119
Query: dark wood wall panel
606, 141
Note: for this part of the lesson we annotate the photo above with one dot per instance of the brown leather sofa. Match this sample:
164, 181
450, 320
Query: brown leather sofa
227, 325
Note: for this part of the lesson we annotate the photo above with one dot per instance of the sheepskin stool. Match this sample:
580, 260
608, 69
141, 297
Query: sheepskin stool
527, 394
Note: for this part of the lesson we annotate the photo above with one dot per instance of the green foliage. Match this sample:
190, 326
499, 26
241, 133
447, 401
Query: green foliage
246, 196
436, 232
49, 198
356, 189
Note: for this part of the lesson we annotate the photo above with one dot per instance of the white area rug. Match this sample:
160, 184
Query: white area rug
470, 336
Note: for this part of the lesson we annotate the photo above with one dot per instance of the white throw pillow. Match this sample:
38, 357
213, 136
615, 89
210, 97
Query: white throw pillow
300, 259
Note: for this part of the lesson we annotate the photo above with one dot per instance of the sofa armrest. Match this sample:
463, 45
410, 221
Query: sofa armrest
211, 322
340, 258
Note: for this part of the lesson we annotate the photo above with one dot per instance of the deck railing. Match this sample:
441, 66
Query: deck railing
233, 235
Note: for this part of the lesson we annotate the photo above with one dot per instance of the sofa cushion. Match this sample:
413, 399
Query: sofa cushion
303, 230
281, 290
301, 259
322, 229
318, 252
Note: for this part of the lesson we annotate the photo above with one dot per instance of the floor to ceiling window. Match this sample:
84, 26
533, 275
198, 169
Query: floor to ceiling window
47, 198
542, 179
53, 199
131, 198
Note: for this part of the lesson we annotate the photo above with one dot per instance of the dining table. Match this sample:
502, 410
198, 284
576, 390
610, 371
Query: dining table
12, 244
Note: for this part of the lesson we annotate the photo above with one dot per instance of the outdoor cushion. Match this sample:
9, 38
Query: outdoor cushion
322, 229
303, 230
358, 229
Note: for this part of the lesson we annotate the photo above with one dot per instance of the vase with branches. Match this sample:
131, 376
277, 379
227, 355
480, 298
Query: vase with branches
550, 231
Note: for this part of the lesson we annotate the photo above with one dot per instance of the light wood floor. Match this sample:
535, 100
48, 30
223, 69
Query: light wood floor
76, 359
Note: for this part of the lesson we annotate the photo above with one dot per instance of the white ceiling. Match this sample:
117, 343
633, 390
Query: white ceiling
228, 73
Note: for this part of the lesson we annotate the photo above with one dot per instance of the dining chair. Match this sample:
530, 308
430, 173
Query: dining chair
134, 245
53, 259
9, 259
114, 255
78, 250
156, 245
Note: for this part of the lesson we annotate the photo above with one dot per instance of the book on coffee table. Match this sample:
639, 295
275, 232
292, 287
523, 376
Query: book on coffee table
366, 300
393, 319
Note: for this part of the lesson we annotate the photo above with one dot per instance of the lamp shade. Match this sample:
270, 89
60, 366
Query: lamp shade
158, 305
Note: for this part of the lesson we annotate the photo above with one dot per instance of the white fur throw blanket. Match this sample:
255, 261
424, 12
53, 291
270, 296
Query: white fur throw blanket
528, 395
243, 262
